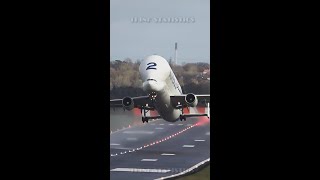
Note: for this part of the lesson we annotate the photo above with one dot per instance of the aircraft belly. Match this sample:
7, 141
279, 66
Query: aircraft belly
164, 108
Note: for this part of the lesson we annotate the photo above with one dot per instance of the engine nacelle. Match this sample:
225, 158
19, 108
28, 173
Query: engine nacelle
128, 103
191, 100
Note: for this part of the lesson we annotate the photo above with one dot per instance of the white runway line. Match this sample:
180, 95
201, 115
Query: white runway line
140, 170
159, 128
199, 140
166, 154
186, 171
114, 144
149, 159
138, 132
131, 139
171, 124
122, 148
180, 124
188, 146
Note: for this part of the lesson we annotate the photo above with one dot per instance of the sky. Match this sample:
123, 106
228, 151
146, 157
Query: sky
139, 28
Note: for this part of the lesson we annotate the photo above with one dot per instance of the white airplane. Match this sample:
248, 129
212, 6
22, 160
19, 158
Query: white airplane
164, 93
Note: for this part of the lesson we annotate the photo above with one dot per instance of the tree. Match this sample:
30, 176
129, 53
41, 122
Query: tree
125, 79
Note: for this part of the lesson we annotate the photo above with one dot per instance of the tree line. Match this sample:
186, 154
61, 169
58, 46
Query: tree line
126, 81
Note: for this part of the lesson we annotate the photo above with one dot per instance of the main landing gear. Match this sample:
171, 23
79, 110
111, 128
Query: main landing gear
144, 118
152, 97
182, 116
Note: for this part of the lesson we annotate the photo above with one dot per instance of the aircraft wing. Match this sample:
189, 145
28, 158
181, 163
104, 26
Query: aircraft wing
180, 99
116, 103
138, 102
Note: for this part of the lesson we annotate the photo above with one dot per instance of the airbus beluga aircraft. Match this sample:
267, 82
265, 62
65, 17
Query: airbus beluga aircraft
164, 93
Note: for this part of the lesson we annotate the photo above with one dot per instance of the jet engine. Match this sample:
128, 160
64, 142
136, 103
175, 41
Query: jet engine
128, 103
191, 100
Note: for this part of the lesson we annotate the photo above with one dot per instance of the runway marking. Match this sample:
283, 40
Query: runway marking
180, 124
171, 124
114, 144
122, 148
138, 132
186, 171
159, 128
140, 170
131, 139
161, 124
188, 146
149, 159
200, 140
130, 127
166, 154
158, 141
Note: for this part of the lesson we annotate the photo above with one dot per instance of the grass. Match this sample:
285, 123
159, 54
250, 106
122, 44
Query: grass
204, 174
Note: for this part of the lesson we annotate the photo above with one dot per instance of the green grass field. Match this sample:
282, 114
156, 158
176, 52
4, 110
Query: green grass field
204, 174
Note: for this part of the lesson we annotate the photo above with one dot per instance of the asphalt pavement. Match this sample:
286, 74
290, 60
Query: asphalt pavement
159, 149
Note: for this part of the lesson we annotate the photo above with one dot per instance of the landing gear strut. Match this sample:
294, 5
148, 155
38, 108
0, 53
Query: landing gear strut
144, 118
182, 116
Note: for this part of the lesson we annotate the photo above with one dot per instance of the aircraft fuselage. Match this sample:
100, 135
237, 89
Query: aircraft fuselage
159, 79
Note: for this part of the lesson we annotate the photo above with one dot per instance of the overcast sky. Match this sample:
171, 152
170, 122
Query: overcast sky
133, 37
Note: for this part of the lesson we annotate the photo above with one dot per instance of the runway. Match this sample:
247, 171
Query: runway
159, 149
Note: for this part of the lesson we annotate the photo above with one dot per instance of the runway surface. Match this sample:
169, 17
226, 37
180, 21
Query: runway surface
159, 149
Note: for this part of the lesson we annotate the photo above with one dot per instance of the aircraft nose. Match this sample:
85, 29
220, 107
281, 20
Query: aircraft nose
152, 85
